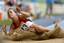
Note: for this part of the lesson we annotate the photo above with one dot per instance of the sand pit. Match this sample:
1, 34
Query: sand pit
42, 41
58, 40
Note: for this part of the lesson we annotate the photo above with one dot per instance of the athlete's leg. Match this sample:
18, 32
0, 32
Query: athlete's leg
39, 28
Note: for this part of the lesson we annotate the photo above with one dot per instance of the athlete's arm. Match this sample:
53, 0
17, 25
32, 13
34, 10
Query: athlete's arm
25, 13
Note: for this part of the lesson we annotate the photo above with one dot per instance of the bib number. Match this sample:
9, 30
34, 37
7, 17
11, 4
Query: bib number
24, 27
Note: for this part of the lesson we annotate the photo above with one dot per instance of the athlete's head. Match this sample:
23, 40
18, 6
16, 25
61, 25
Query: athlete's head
11, 13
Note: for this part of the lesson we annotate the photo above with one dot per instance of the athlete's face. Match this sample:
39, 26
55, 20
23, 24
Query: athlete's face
11, 13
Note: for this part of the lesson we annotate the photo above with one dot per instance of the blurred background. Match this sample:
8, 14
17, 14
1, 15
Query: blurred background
46, 11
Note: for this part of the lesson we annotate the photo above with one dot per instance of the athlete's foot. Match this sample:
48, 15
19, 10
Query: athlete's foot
52, 33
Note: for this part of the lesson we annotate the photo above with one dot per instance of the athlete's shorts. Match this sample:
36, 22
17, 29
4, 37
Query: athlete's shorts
26, 25
29, 23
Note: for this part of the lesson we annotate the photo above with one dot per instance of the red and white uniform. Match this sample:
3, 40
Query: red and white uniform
26, 22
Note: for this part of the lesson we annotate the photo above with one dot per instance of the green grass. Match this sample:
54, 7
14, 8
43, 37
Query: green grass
7, 22
54, 14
